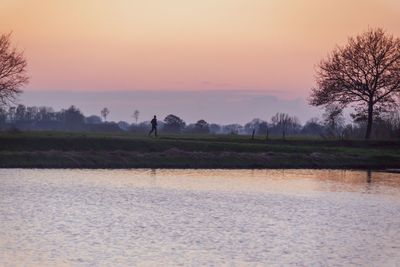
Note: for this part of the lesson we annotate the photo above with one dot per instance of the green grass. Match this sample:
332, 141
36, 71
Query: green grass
124, 150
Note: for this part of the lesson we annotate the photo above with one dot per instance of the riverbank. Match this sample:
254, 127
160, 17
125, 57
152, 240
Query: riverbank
92, 150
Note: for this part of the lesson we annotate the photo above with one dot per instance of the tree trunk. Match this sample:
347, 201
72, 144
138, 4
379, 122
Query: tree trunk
369, 120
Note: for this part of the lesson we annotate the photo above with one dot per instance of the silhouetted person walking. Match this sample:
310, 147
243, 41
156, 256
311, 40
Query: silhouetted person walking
153, 126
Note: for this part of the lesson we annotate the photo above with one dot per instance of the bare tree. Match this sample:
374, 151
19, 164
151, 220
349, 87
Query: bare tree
136, 115
12, 71
282, 120
104, 113
365, 74
267, 131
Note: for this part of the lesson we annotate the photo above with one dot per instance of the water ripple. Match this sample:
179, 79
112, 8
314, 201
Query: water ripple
187, 217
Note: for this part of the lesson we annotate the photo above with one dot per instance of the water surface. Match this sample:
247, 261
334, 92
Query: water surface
199, 217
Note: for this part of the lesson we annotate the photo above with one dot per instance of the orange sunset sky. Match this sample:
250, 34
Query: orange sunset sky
185, 44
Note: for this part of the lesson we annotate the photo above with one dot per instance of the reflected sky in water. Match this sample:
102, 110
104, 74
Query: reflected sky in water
282, 181
199, 217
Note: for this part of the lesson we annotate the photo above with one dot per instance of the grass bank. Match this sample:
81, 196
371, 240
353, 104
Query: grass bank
93, 150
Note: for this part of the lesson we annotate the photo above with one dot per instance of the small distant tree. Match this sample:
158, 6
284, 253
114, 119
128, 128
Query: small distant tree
333, 119
73, 119
313, 127
11, 114
20, 113
135, 115
123, 125
282, 120
201, 126
262, 128
31, 113
232, 129
393, 120
173, 124
266, 127
3, 116
295, 125
215, 128
254, 126
365, 73
93, 119
104, 113
348, 131
45, 114
12, 71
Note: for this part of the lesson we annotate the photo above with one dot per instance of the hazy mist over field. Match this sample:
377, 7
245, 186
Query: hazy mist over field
213, 106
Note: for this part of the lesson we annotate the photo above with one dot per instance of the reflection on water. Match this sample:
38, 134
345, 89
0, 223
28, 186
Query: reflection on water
199, 217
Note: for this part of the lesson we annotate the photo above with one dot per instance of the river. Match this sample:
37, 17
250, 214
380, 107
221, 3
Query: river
199, 218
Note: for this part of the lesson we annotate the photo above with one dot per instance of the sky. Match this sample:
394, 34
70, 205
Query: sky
171, 49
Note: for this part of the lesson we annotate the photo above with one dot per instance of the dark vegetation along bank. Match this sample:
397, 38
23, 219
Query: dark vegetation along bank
95, 150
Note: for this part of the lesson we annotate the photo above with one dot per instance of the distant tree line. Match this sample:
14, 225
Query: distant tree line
332, 125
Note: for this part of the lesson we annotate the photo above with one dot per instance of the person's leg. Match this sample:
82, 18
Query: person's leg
152, 129
155, 129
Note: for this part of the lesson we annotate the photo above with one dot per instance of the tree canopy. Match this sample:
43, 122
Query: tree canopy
173, 124
12, 71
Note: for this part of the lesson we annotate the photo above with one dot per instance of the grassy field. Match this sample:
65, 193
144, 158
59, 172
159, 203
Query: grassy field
93, 150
